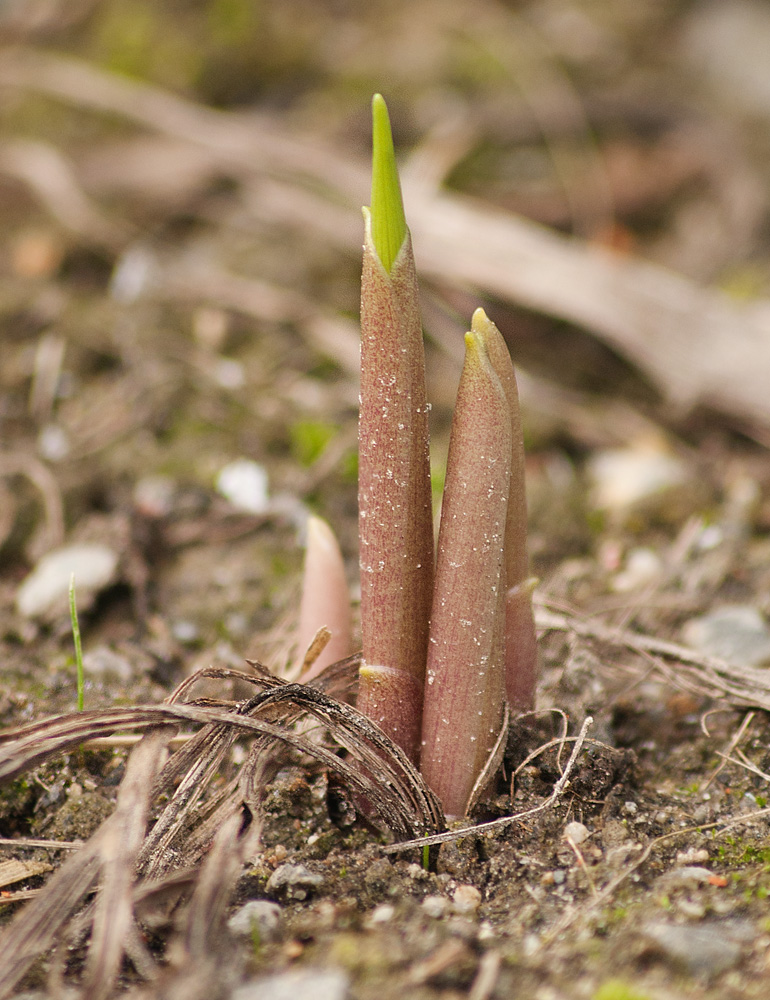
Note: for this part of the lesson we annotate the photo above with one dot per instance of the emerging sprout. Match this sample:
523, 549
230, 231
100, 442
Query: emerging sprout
394, 499
465, 691
387, 208
482, 637
325, 599
520, 635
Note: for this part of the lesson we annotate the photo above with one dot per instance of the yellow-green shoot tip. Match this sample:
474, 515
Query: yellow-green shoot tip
387, 209
480, 322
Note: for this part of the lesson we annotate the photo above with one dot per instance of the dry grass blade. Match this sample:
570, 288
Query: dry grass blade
121, 837
224, 824
402, 799
212, 892
704, 675
110, 852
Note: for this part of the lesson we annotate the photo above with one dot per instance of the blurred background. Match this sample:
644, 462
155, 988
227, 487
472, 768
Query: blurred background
180, 192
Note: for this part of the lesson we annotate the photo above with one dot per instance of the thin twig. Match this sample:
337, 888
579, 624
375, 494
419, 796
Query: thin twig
23, 843
725, 755
709, 676
496, 824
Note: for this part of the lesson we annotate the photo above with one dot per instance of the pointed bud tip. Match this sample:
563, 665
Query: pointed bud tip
475, 346
481, 323
388, 222
318, 532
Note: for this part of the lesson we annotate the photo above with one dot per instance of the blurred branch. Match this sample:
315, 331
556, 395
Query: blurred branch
694, 343
47, 173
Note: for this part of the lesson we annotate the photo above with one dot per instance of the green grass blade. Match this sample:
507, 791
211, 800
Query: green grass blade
78, 646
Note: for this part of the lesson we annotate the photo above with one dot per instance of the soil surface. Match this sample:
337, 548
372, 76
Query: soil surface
178, 391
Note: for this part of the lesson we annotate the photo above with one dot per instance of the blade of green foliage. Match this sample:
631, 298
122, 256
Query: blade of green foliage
387, 208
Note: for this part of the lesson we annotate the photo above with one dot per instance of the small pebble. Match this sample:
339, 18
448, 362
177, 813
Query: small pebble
258, 914
486, 931
154, 496
133, 274
624, 477
105, 662
46, 588
382, 914
435, 906
185, 631
244, 484
687, 875
692, 855
416, 872
643, 566
297, 984
293, 882
53, 443
702, 949
229, 373
466, 898
691, 908
576, 832
736, 633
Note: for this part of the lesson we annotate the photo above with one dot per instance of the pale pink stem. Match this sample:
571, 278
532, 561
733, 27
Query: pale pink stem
325, 599
394, 498
465, 689
520, 634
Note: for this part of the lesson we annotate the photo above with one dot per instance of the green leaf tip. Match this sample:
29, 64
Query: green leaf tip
388, 221
480, 322
476, 348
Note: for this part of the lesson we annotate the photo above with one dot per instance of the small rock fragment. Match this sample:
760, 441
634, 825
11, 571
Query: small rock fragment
379, 875
244, 484
466, 899
625, 477
382, 914
736, 633
687, 875
435, 906
705, 949
105, 662
46, 588
692, 856
576, 832
642, 567
293, 882
614, 833
297, 984
258, 915
154, 496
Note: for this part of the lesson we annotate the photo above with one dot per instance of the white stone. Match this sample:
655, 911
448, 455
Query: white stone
467, 899
47, 586
258, 915
244, 484
435, 906
297, 984
623, 477
736, 633
576, 832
